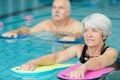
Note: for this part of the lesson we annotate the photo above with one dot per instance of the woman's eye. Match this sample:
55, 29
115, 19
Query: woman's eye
94, 30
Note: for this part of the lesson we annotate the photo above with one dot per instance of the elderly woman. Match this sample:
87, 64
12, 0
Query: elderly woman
93, 55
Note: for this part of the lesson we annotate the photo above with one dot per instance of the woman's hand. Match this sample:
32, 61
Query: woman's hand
78, 73
29, 66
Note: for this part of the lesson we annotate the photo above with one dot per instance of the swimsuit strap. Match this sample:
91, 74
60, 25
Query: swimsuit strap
84, 56
104, 49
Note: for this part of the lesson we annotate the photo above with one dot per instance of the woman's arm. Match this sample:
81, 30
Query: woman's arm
49, 59
107, 59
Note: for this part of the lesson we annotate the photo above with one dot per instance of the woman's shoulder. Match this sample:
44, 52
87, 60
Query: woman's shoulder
112, 51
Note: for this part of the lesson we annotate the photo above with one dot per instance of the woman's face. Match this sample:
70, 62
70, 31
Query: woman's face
93, 36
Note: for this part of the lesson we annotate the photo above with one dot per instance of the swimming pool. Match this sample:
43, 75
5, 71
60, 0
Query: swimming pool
17, 52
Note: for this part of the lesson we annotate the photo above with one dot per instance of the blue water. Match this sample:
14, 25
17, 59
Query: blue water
16, 52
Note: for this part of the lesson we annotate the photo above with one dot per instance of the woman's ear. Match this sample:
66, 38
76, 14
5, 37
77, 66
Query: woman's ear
104, 38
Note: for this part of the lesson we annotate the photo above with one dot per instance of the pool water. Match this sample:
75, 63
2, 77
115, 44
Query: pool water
16, 52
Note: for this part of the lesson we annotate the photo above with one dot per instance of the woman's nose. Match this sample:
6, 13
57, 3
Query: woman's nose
89, 34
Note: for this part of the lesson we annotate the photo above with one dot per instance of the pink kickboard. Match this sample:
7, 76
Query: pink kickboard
88, 74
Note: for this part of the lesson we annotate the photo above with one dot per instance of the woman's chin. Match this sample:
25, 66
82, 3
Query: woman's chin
90, 44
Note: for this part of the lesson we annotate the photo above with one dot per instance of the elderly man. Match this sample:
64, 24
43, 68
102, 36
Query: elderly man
60, 23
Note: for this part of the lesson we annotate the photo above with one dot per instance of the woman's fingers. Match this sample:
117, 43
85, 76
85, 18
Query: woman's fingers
78, 73
27, 67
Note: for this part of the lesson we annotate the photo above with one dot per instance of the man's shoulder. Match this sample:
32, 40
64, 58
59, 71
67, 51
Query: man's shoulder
47, 21
75, 21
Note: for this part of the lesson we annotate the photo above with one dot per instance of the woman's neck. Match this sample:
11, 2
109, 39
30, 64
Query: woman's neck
95, 50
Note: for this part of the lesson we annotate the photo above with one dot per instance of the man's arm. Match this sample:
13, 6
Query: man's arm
15, 33
23, 30
76, 35
26, 30
75, 29
72, 37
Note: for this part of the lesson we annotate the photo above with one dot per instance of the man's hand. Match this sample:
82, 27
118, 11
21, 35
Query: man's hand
10, 34
68, 38
15, 33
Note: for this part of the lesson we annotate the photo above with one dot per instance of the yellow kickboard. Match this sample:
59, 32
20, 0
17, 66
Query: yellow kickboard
40, 69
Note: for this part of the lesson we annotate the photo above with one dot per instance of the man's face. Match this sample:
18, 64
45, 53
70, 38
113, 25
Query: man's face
60, 10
